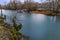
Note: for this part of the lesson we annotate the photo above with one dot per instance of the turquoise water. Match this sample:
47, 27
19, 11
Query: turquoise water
36, 26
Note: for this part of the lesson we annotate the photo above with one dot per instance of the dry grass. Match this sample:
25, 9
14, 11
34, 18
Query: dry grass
45, 12
41, 12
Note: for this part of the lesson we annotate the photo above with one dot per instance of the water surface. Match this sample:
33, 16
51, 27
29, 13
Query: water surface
36, 26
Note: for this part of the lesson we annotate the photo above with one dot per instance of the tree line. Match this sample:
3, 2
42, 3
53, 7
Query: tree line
31, 5
19, 5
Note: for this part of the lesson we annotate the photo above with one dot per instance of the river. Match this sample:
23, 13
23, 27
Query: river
36, 26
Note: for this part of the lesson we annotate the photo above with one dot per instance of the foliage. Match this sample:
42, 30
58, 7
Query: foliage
12, 32
18, 27
1, 19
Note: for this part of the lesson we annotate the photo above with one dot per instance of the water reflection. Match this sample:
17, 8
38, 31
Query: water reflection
38, 17
53, 19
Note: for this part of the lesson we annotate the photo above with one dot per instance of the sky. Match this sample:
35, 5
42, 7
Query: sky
7, 1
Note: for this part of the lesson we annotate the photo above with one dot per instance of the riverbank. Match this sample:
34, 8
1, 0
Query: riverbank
8, 32
45, 12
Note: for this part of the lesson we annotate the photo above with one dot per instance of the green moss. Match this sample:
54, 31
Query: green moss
1, 18
1, 38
